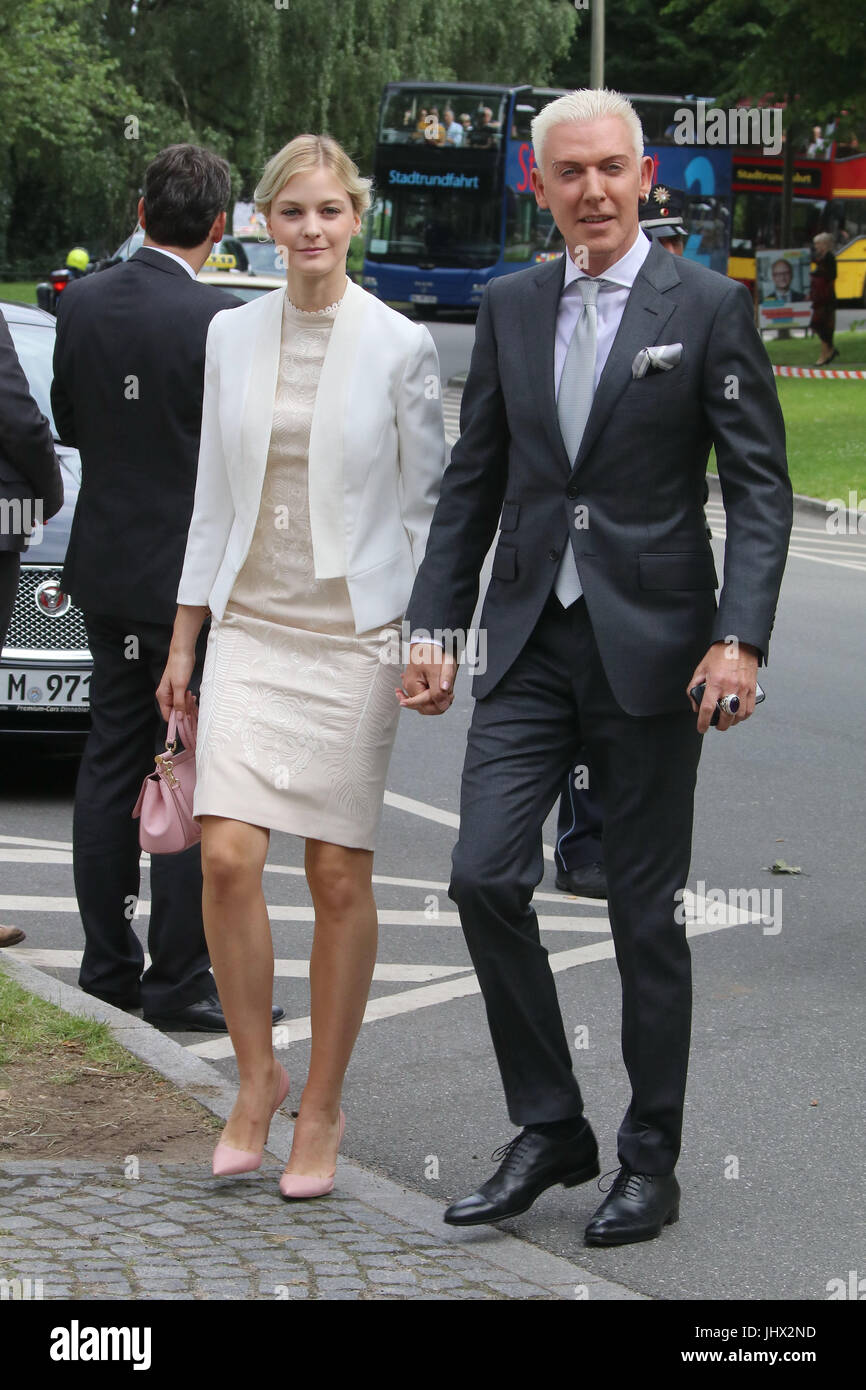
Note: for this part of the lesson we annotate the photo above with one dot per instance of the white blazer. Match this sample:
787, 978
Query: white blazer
376, 458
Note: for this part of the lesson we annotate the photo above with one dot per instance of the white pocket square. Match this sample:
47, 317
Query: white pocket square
656, 359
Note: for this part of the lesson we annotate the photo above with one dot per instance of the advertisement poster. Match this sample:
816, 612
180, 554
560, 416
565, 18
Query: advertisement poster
783, 289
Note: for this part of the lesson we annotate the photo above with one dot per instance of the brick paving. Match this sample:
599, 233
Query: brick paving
88, 1232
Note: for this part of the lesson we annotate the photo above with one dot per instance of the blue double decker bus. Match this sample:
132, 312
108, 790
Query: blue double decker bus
454, 205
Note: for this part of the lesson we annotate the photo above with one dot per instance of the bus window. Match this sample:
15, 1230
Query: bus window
529, 229
757, 222
417, 225
521, 126
414, 115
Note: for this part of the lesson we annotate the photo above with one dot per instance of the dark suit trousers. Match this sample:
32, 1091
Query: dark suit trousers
10, 567
524, 737
127, 730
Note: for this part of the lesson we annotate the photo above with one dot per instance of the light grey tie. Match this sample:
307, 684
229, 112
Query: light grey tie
573, 404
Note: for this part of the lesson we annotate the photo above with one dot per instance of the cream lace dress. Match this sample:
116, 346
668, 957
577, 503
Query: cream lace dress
297, 712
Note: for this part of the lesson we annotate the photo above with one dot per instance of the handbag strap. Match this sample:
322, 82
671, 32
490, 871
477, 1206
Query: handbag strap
184, 725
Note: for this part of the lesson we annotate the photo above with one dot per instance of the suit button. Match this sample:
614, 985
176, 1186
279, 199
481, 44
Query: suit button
572, 490
553, 554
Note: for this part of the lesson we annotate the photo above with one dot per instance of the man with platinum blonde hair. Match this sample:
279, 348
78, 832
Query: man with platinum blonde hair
590, 104
597, 386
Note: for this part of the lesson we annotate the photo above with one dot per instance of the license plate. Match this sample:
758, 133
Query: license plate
28, 688
423, 299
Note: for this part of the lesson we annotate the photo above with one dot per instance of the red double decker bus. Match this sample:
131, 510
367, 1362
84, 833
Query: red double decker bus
829, 196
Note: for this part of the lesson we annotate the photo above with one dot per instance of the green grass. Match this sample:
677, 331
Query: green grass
803, 352
22, 290
826, 428
825, 424
30, 1027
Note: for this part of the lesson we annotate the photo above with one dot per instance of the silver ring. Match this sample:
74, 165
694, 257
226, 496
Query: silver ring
729, 704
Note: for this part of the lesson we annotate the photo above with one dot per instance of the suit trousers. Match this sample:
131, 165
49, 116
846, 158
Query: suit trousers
10, 567
524, 737
126, 730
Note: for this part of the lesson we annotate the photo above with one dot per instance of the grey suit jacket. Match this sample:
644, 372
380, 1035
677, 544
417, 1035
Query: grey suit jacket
631, 504
29, 470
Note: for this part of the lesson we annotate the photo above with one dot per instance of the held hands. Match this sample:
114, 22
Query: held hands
728, 669
428, 680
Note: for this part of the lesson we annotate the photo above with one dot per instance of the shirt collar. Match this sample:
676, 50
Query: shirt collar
622, 272
171, 255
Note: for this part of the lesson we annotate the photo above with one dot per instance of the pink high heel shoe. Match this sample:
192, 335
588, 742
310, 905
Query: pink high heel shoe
294, 1185
228, 1160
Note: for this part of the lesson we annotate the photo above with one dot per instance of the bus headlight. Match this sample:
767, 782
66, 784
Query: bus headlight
370, 281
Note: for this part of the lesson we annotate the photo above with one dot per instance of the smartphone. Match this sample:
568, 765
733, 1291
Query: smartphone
697, 694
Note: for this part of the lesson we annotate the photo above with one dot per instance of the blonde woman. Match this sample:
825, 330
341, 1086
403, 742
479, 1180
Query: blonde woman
322, 451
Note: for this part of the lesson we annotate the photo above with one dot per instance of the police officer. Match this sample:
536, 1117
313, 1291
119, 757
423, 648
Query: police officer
661, 218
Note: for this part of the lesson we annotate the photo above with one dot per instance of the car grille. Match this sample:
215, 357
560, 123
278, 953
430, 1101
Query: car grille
35, 634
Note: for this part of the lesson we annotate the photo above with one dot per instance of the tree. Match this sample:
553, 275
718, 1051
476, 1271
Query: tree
790, 53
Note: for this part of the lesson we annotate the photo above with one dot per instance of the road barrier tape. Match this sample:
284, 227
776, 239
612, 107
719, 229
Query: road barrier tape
820, 373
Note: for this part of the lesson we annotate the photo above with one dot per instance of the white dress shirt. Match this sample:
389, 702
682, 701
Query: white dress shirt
611, 303
172, 257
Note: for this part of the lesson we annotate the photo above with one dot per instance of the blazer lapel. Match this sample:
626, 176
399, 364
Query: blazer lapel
258, 405
644, 317
539, 334
326, 489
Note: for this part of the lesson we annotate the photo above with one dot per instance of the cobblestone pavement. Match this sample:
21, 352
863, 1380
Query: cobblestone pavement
88, 1232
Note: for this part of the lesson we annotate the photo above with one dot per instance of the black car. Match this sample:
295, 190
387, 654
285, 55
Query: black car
45, 665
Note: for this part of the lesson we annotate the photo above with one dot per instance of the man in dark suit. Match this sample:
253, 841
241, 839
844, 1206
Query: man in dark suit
128, 386
600, 615
31, 490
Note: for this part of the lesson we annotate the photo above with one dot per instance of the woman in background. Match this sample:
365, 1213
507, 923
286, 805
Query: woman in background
822, 293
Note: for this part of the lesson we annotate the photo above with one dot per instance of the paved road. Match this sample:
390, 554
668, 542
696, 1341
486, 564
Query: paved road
772, 1167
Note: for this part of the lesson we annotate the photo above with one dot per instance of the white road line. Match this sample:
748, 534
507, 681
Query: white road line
822, 560
42, 957
285, 969
387, 880
11, 903
423, 809
39, 844
35, 856
406, 1001
841, 564
388, 917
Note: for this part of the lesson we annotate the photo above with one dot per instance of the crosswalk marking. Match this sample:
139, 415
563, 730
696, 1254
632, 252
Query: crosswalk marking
388, 917
45, 958
812, 543
445, 991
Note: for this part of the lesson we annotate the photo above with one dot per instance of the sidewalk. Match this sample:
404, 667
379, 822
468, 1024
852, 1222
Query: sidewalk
88, 1231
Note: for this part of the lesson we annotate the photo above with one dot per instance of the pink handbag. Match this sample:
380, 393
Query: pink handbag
164, 806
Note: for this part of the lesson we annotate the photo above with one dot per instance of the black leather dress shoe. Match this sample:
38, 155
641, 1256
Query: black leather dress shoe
636, 1208
531, 1162
204, 1016
586, 881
